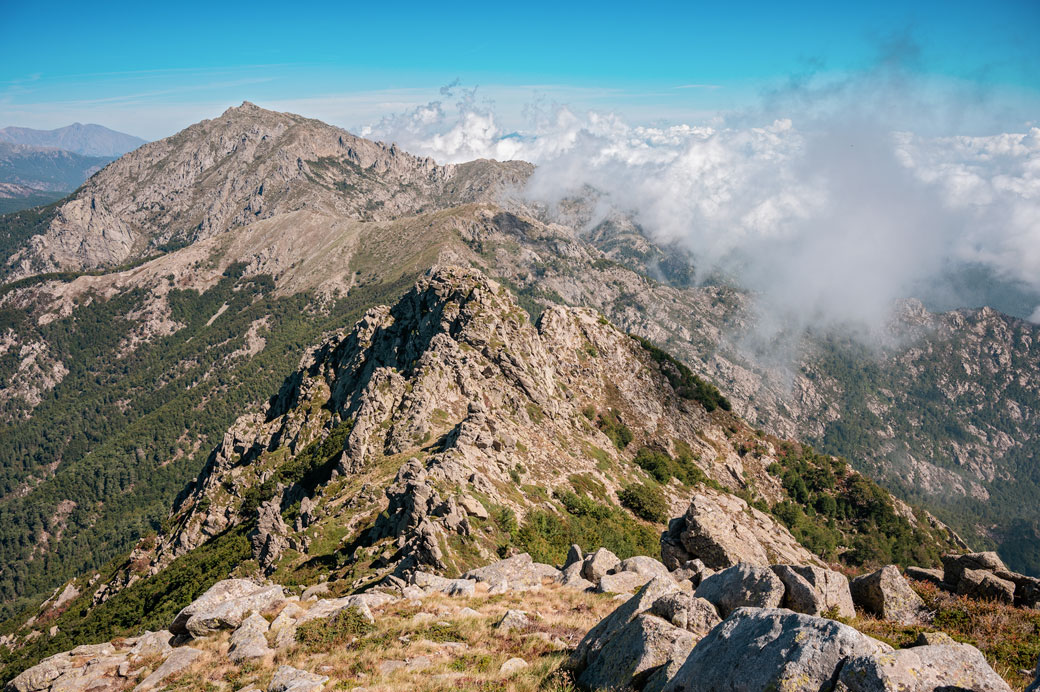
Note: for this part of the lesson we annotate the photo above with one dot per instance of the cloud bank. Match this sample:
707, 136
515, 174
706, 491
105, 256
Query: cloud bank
830, 201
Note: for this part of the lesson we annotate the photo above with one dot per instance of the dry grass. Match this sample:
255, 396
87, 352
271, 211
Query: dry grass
442, 649
1009, 637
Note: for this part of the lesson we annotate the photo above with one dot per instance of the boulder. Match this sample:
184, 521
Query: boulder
722, 531
226, 590
178, 660
512, 666
283, 629
453, 587
932, 576
815, 590
986, 586
771, 649
228, 614
249, 641
571, 577
289, 679
622, 582
954, 565
886, 594
930, 638
364, 602
742, 585
634, 653
588, 648
152, 644
517, 573
513, 620
599, 564
687, 612
921, 669
574, 556
1027, 589
647, 566
693, 571
312, 592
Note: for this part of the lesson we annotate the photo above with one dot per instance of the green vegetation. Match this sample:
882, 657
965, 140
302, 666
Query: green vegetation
663, 467
683, 381
18, 227
614, 429
840, 514
151, 603
337, 632
646, 502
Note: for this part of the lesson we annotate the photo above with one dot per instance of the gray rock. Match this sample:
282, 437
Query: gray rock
934, 638
886, 594
571, 577
315, 590
687, 612
986, 586
599, 564
513, 620
512, 666
178, 660
693, 571
647, 566
921, 669
516, 573
815, 590
269, 538
574, 556
632, 655
606, 628
226, 590
622, 582
932, 576
249, 641
771, 649
391, 666
742, 585
283, 629
954, 565
289, 679
228, 614
152, 644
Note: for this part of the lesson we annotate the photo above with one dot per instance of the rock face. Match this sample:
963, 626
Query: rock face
742, 585
514, 574
921, 669
722, 530
815, 590
771, 649
220, 593
228, 614
887, 594
633, 654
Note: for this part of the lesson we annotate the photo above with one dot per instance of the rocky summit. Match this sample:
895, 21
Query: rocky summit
287, 409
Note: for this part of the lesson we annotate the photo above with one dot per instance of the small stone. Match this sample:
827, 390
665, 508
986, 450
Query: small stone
513, 620
512, 666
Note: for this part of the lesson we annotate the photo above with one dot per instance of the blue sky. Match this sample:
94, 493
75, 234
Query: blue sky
153, 68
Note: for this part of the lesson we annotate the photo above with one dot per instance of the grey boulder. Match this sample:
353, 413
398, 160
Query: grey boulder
815, 590
742, 585
249, 641
921, 669
599, 564
687, 612
886, 594
633, 654
289, 679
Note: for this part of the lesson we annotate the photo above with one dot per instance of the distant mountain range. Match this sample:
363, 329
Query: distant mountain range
87, 140
42, 166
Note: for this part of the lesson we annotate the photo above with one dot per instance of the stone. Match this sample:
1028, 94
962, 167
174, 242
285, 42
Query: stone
289, 679
771, 649
687, 612
312, 592
177, 661
932, 638
473, 507
954, 565
599, 564
571, 577
269, 538
151, 644
513, 620
742, 585
228, 614
574, 556
986, 586
815, 590
631, 655
886, 594
1035, 685
605, 629
693, 571
921, 669
453, 587
622, 582
468, 613
249, 641
722, 531
226, 590
363, 602
517, 573
647, 566
512, 666
932, 576
418, 663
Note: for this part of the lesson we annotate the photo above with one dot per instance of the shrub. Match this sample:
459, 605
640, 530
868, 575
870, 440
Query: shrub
336, 632
614, 429
645, 501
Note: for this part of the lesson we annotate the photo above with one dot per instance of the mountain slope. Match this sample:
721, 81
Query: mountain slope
86, 140
46, 170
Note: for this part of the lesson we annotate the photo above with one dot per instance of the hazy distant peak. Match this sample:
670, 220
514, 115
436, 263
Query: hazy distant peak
87, 140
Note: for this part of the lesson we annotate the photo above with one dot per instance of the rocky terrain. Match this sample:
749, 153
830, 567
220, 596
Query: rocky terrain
179, 287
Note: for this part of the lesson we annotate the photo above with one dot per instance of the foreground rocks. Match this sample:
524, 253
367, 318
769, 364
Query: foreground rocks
886, 594
937, 667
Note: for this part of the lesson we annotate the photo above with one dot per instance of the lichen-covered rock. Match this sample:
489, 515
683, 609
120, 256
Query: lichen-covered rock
516, 573
289, 679
926, 574
979, 584
622, 582
599, 564
742, 585
722, 530
688, 612
887, 594
693, 571
226, 590
605, 629
249, 641
954, 564
771, 649
633, 654
647, 566
513, 620
921, 669
228, 614
178, 660
815, 590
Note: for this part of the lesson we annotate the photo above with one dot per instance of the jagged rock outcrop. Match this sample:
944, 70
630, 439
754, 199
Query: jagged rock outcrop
722, 530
